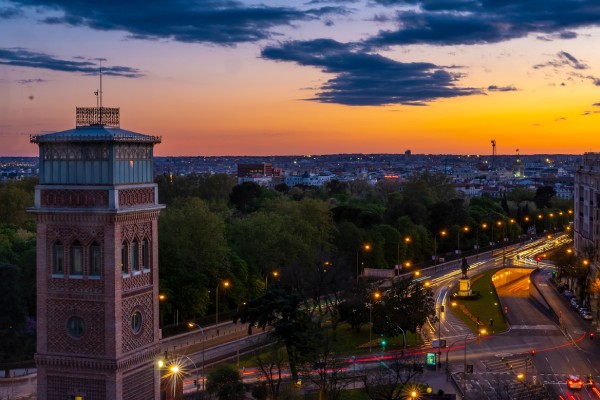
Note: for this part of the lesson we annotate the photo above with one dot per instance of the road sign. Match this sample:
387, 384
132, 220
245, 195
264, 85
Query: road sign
431, 359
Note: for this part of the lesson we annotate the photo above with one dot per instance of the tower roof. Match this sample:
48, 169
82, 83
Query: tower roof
95, 133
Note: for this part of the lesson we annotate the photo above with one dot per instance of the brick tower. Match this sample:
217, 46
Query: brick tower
97, 208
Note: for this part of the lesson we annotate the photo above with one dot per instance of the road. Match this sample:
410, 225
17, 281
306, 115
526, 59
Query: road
499, 359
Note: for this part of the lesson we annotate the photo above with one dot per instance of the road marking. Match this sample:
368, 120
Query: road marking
537, 327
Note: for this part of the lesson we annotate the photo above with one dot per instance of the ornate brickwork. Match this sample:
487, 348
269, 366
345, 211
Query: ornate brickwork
92, 340
139, 231
139, 385
76, 285
142, 303
67, 387
135, 197
67, 234
64, 198
137, 281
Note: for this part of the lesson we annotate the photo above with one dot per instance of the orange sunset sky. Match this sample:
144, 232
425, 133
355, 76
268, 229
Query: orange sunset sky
309, 77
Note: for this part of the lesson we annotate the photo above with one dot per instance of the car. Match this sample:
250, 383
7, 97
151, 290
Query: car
587, 315
573, 382
568, 294
583, 309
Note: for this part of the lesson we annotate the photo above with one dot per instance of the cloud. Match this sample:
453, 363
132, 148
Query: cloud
467, 22
558, 36
10, 12
24, 58
30, 81
596, 104
563, 59
495, 88
221, 22
365, 79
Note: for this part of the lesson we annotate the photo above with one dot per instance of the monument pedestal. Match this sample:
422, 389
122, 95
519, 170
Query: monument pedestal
464, 287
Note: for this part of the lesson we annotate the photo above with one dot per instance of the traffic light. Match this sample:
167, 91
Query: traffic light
532, 353
591, 335
195, 383
383, 342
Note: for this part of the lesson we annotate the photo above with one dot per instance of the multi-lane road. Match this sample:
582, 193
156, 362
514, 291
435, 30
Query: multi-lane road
546, 344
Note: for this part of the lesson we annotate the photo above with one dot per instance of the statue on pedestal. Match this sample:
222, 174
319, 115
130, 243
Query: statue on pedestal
464, 268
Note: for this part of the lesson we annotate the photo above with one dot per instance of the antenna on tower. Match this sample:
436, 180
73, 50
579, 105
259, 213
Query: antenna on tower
100, 95
493, 152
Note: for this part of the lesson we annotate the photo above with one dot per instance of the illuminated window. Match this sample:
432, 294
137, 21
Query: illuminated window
95, 262
76, 267
58, 258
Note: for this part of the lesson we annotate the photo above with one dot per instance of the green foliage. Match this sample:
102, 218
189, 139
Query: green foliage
225, 382
209, 187
194, 256
407, 304
291, 325
543, 196
15, 198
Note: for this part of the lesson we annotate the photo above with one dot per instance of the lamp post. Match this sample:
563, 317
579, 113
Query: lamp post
465, 358
441, 233
225, 285
191, 325
365, 247
376, 296
176, 372
404, 336
465, 229
482, 226
275, 275
406, 240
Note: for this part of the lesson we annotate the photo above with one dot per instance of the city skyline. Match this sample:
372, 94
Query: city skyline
320, 77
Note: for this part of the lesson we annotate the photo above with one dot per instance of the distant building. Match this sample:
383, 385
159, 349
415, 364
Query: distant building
308, 179
587, 201
251, 170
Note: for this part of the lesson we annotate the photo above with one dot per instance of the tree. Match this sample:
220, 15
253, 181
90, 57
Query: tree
292, 325
407, 305
245, 196
271, 365
543, 196
13, 316
390, 378
225, 382
194, 256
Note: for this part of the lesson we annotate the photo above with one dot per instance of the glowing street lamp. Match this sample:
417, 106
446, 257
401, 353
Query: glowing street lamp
365, 247
441, 233
376, 297
225, 285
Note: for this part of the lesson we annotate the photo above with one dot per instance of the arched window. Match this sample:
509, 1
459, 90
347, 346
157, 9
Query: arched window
95, 262
135, 256
58, 258
124, 259
76, 267
145, 255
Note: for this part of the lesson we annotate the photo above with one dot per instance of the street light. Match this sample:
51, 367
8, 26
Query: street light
406, 240
275, 275
376, 296
192, 325
441, 233
225, 285
365, 247
176, 371
482, 226
465, 229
